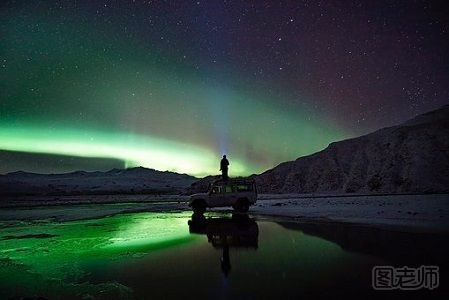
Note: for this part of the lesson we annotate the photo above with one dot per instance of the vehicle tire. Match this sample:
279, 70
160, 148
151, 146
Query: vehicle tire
199, 207
242, 205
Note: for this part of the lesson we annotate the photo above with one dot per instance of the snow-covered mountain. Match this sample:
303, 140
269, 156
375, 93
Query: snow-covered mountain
412, 157
115, 181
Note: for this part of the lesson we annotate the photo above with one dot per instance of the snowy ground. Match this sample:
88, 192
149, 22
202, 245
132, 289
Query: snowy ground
428, 213
33, 201
413, 212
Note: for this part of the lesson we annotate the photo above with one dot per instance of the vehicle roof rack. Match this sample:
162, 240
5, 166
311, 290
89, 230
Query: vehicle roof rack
234, 181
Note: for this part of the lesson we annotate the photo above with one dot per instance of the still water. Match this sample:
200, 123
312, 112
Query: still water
220, 255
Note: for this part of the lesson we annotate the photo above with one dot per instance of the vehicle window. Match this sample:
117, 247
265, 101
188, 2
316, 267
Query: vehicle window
244, 188
228, 189
216, 190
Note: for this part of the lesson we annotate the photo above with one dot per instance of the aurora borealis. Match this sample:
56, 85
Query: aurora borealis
174, 85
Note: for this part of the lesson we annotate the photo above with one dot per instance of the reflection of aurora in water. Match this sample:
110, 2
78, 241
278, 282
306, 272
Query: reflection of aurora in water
90, 257
143, 255
155, 230
47, 255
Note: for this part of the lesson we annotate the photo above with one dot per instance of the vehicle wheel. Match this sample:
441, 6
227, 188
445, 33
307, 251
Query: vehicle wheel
242, 205
199, 207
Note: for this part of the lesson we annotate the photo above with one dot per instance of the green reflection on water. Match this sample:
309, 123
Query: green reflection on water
47, 258
133, 255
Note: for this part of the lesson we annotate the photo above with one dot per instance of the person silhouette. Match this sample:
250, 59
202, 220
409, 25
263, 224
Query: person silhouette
225, 261
224, 163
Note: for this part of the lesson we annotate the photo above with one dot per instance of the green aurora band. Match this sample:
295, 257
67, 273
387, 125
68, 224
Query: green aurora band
69, 88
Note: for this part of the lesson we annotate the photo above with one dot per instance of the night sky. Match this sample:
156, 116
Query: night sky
173, 85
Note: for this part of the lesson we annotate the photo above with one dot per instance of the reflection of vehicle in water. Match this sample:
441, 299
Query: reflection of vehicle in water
238, 193
240, 231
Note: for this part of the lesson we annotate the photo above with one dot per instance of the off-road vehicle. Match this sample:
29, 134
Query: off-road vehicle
238, 193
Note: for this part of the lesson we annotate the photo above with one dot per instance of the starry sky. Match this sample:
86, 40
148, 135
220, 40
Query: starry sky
173, 85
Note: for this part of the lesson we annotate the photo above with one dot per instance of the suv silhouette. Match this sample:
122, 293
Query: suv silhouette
238, 193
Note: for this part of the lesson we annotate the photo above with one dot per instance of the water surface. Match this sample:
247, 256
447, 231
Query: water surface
175, 255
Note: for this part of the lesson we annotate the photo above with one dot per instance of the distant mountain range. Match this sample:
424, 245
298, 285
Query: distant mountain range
116, 181
410, 158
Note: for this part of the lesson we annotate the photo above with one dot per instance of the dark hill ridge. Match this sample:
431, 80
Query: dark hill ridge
116, 181
409, 158
412, 157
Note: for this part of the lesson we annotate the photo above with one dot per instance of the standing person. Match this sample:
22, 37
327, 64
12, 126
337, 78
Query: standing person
224, 163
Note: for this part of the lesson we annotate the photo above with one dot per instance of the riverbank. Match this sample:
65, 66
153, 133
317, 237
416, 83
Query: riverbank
404, 212
426, 213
